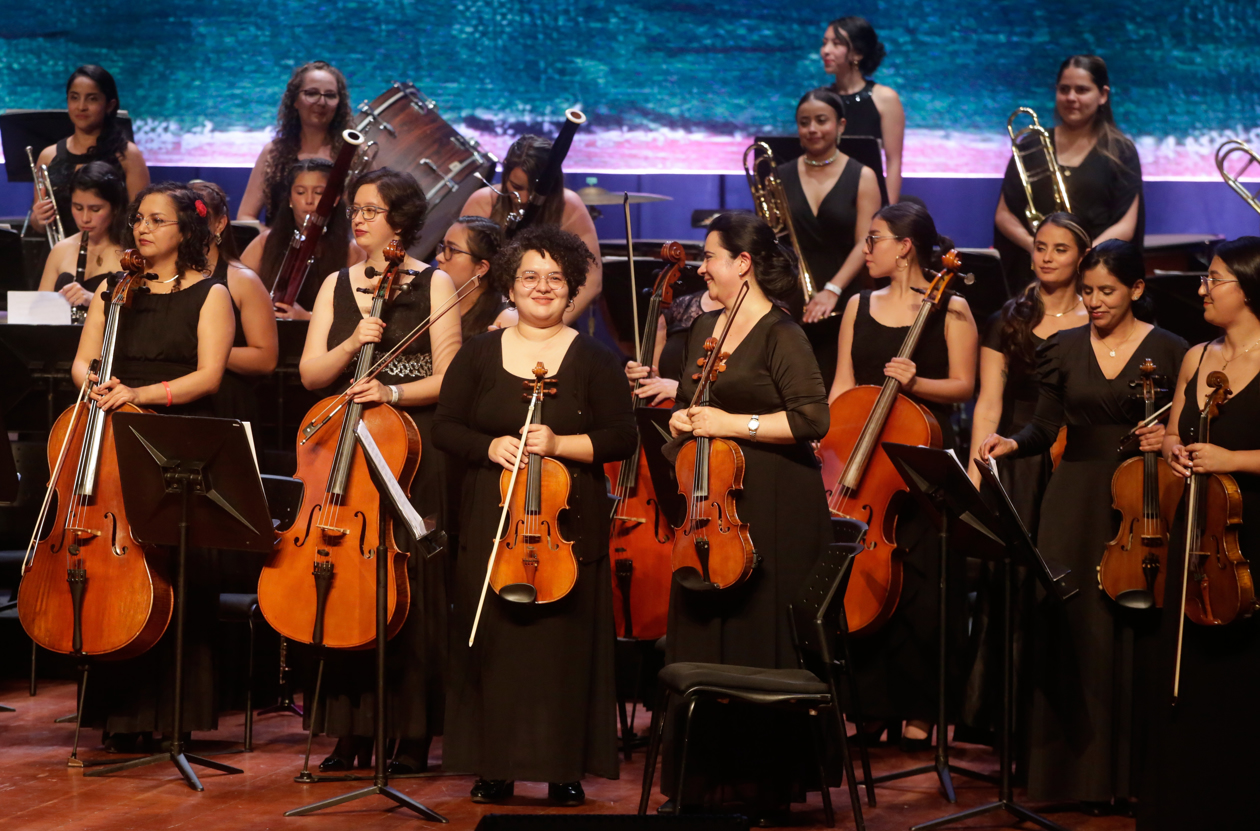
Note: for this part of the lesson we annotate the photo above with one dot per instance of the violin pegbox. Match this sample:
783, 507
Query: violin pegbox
540, 386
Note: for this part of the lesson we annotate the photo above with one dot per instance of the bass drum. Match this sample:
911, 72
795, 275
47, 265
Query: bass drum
403, 131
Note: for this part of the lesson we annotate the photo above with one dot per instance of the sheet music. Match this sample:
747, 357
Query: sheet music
419, 528
38, 308
253, 451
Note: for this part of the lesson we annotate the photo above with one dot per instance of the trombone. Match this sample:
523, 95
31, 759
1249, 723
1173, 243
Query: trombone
1227, 149
771, 203
1052, 169
43, 189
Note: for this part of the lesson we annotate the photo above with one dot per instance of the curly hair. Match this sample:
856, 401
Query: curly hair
104, 180
217, 203
194, 229
288, 140
568, 251
404, 200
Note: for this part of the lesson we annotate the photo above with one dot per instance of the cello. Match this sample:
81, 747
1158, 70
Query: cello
1145, 491
861, 481
88, 587
712, 548
641, 538
317, 585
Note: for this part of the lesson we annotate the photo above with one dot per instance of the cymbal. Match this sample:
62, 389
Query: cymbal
598, 196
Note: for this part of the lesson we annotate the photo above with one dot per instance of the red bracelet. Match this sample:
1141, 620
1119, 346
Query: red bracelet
167, 387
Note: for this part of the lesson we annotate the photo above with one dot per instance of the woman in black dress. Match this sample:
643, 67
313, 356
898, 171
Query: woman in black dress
770, 401
467, 252
852, 52
897, 666
98, 202
533, 698
1209, 739
92, 104
172, 348
1091, 656
385, 205
1101, 170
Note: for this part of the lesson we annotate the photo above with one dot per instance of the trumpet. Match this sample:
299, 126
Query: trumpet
1227, 149
771, 203
1052, 169
43, 187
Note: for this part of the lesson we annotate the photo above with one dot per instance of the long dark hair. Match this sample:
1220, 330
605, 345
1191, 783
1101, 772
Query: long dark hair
111, 144
105, 181
332, 252
1124, 261
1242, 257
288, 140
530, 154
217, 203
910, 220
774, 266
862, 38
1107, 136
194, 229
1025, 311
485, 239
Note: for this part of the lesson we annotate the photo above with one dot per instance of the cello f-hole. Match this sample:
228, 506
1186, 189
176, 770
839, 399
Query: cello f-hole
310, 519
365, 553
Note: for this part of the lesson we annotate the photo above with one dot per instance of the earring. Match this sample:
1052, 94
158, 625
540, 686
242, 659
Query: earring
218, 238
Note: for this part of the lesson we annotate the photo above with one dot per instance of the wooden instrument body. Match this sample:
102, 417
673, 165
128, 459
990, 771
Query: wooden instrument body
127, 596
1135, 563
533, 562
640, 544
712, 548
287, 590
1219, 589
875, 584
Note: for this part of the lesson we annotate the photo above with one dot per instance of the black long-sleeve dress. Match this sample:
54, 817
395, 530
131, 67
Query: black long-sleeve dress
1091, 657
783, 501
157, 341
534, 697
1201, 767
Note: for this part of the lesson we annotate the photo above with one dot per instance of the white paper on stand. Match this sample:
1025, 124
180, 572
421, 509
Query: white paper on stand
38, 308
419, 528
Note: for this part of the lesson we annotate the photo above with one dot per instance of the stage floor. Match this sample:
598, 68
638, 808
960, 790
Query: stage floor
38, 791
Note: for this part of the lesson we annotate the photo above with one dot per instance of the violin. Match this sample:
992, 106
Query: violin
641, 538
88, 587
712, 548
317, 586
1145, 491
861, 481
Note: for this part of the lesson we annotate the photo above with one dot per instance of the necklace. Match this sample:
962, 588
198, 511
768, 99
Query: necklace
152, 279
1071, 308
823, 163
1236, 353
1111, 349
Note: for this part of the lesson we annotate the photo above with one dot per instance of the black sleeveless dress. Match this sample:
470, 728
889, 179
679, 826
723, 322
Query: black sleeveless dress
1092, 659
826, 238
157, 341
863, 137
91, 284
236, 397
897, 665
60, 168
1210, 739
417, 654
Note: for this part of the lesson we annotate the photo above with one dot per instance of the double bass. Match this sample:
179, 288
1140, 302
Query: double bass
641, 538
1145, 491
712, 548
861, 481
317, 586
88, 587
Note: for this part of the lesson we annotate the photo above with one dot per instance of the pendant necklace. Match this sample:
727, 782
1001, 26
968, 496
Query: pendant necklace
1073, 308
1236, 354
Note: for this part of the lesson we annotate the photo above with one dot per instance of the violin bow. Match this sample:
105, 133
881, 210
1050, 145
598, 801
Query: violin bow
713, 358
634, 288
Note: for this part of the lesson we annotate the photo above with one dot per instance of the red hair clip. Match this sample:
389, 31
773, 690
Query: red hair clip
201, 208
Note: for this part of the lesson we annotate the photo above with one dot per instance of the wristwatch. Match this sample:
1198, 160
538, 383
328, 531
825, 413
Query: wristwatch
753, 424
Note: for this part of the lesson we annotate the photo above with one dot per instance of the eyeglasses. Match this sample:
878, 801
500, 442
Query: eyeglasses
871, 239
530, 279
1209, 283
370, 212
150, 223
445, 249
312, 96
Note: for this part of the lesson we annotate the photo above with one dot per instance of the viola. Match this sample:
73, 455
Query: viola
712, 548
318, 585
1145, 491
88, 587
641, 538
861, 481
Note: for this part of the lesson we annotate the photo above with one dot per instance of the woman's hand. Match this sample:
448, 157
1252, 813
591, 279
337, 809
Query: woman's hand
903, 369
503, 452
1179, 460
295, 312
45, 210
821, 305
75, 294
680, 422
1210, 458
658, 389
709, 421
370, 391
995, 447
541, 441
369, 330
636, 371
112, 394
1151, 438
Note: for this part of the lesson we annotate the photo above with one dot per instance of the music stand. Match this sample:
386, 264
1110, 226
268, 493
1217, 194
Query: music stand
8, 493
37, 129
653, 423
163, 461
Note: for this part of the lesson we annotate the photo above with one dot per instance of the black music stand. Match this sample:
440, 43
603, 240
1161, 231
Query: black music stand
163, 461
653, 423
390, 498
994, 531
37, 129
8, 493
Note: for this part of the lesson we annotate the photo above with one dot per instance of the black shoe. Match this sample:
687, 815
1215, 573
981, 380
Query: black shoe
349, 750
335, 764
405, 766
412, 756
128, 742
486, 791
668, 808
566, 794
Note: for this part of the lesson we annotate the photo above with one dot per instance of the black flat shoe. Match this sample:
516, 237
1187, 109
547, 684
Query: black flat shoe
667, 808
486, 791
411, 756
335, 764
405, 766
350, 752
566, 794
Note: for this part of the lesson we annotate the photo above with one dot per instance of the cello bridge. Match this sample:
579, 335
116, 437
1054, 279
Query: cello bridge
332, 531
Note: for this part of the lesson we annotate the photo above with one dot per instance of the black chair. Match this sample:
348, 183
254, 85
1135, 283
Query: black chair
818, 631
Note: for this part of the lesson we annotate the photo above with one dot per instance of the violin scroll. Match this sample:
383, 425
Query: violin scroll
676, 256
1218, 394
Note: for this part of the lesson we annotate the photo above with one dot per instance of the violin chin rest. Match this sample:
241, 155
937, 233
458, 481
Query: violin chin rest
1136, 599
519, 593
691, 579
